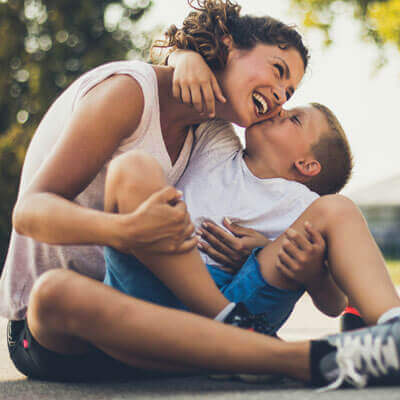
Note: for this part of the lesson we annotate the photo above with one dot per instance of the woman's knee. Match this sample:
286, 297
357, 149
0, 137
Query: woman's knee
48, 297
134, 175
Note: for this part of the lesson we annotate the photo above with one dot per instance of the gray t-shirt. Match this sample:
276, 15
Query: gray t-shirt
27, 259
217, 183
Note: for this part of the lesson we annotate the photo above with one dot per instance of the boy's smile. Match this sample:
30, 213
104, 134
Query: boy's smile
274, 146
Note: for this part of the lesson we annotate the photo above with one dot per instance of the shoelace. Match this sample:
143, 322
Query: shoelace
358, 359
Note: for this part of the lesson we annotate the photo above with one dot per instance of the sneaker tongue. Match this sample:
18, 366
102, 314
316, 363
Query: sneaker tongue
328, 367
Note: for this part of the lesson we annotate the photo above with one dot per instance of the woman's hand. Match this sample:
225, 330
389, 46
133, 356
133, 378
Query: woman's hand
161, 224
230, 250
194, 83
302, 256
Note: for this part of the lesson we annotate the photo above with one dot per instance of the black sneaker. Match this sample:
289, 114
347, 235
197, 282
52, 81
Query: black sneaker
241, 317
364, 357
350, 322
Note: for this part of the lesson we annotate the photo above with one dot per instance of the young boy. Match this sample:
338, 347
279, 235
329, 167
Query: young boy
263, 187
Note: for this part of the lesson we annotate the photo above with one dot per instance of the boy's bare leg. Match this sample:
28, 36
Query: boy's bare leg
355, 261
68, 311
132, 178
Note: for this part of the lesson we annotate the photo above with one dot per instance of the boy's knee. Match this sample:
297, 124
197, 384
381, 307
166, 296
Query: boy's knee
332, 208
135, 172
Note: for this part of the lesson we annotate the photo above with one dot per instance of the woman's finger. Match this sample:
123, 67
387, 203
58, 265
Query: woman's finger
213, 253
220, 234
187, 245
217, 244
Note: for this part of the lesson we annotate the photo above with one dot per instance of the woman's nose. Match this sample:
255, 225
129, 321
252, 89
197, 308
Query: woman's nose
279, 94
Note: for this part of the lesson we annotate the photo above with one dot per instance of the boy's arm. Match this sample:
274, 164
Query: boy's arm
194, 82
302, 259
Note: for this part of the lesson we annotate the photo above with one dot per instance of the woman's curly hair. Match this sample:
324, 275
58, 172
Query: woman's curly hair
212, 20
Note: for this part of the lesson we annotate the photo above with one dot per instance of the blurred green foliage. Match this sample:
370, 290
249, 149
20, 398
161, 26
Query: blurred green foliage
380, 19
44, 46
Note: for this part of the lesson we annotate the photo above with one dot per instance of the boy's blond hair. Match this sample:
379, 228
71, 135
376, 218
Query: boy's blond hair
332, 150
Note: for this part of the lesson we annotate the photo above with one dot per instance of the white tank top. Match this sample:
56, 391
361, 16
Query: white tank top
27, 259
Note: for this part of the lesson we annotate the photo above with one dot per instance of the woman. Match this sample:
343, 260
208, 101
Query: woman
107, 112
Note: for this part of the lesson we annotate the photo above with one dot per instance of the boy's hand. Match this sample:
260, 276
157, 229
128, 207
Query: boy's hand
229, 250
194, 83
302, 256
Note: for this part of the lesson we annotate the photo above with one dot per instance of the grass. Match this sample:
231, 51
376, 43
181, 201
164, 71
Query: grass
394, 270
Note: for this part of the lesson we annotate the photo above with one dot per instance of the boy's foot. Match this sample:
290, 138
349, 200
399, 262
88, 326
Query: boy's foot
241, 317
351, 320
359, 358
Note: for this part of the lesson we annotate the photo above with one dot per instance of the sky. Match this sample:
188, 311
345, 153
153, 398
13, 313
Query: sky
343, 77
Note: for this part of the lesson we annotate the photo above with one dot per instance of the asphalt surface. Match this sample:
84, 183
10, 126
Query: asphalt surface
306, 322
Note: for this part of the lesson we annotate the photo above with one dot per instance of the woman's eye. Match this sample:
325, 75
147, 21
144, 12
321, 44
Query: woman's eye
280, 69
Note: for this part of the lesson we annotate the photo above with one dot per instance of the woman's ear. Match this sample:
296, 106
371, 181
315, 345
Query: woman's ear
228, 42
308, 168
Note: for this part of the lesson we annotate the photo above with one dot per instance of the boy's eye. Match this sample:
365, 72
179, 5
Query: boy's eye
280, 69
295, 119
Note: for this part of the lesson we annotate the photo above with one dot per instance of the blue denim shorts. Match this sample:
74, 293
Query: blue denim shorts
130, 276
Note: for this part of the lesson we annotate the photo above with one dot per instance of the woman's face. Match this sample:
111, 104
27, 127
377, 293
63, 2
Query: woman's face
258, 82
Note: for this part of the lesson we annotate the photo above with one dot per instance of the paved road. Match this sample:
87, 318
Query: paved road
306, 322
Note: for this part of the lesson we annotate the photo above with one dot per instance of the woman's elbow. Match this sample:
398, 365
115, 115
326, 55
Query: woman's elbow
19, 217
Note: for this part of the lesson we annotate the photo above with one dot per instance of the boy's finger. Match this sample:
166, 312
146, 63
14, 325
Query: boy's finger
288, 261
298, 238
185, 95
197, 100
217, 90
291, 249
284, 269
315, 235
209, 99
176, 91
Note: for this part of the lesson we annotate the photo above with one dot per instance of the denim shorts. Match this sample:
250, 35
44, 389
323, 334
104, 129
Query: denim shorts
127, 274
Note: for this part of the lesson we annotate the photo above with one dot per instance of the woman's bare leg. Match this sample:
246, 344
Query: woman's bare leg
67, 311
355, 261
132, 178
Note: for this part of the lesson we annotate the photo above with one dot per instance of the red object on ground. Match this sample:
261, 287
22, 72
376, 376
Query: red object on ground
26, 344
351, 310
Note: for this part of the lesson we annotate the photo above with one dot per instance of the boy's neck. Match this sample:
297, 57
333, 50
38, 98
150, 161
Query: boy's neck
259, 168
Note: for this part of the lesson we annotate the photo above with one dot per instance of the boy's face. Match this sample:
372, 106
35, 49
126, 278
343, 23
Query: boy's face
281, 141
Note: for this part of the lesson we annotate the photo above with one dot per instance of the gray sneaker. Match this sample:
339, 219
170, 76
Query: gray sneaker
364, 357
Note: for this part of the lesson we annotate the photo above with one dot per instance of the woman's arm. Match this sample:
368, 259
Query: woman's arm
108, 113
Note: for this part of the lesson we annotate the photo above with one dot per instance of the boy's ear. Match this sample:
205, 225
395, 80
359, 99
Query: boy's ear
308, 168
